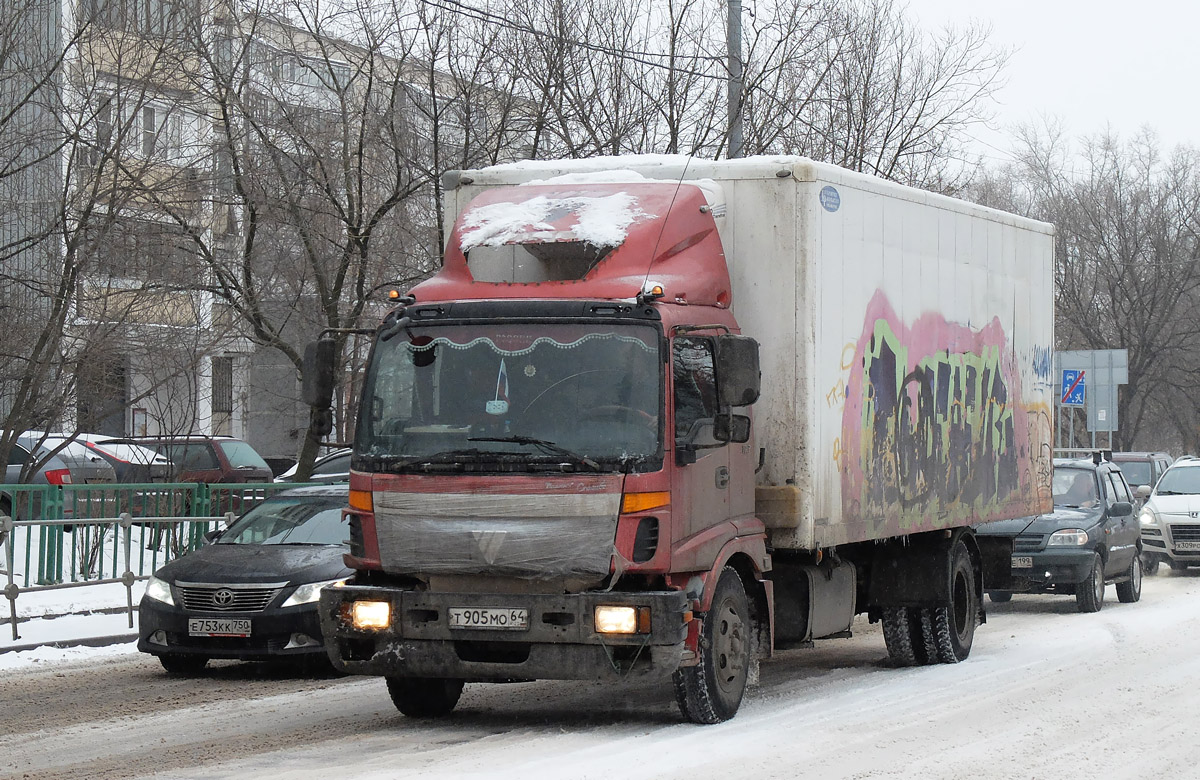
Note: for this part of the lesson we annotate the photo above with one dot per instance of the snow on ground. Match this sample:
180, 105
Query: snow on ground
67, 616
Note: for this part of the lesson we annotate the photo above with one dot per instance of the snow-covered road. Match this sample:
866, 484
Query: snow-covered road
1046, 693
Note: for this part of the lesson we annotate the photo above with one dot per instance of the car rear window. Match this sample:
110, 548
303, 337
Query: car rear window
192, 457
1136, 471
242, 455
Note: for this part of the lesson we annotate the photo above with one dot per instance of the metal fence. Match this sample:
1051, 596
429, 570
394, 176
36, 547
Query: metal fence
79, 535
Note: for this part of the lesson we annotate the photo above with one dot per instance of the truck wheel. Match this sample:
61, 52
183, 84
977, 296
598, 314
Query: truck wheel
1089, 594
954, 622
175, 663
1149, 565
419, 697
908, 634
712, 691
1130, 590
1000, 596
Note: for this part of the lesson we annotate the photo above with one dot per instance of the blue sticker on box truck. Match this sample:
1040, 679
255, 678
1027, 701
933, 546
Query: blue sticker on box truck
831, 200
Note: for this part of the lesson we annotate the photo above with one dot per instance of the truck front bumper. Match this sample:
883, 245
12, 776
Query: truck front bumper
560, 641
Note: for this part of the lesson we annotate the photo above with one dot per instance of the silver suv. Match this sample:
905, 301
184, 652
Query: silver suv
1170, 518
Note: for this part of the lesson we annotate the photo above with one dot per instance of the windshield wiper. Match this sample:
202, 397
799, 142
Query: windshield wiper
548, 447
438, 457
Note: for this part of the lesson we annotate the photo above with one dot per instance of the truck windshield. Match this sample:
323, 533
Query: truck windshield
514, 397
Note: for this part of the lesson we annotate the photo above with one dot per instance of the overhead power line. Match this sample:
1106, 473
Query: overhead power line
640, 57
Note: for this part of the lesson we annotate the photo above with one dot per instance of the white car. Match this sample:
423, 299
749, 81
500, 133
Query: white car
334, 467
1170, 518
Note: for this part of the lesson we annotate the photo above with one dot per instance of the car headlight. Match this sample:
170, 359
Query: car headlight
1147, 517
159, 590
1068, 537
309, 592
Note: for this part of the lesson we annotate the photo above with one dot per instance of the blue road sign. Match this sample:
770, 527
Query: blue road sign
1073, 388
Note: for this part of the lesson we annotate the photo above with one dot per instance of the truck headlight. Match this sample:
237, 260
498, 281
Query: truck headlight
308, 593
370, 615
159, 590
1068, 537
616, 620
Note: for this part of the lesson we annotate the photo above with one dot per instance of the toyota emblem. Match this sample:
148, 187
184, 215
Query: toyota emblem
223, 597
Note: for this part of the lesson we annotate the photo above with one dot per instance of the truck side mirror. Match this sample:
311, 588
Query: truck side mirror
318, 373
732, 427
737, 370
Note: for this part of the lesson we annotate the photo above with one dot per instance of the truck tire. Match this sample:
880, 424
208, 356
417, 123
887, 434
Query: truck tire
954, 622
908, 634
420, 697
711, 691
1089, 594
176, 663
1130, 590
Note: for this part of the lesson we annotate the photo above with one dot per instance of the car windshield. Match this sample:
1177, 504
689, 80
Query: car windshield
1137, 472
291, 520
1074, 488
242, 456
1179, 481
520, 394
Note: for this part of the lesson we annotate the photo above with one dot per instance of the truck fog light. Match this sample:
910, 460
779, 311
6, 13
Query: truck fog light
616, 620
371, 615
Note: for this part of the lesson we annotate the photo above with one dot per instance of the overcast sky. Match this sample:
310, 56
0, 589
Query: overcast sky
1093, 64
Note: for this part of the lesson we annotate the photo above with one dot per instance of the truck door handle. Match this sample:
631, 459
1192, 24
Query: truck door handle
722, 477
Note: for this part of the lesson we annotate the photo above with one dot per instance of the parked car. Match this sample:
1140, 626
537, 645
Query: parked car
130, 462
334, 467
1142, 469
47, 470
252, 593
207, 458
1090, 539
1170, 518
86, 467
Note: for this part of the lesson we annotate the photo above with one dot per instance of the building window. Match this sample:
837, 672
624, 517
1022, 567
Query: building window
222, 385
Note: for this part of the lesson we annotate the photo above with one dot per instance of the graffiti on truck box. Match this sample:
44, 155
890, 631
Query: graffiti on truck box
934, 429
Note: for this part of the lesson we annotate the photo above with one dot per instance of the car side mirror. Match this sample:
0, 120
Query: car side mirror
1142, 492
1121, 509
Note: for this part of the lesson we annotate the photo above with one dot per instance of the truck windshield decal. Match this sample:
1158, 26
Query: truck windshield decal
515, 394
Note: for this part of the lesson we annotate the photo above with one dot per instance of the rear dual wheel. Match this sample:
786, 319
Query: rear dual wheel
916, 636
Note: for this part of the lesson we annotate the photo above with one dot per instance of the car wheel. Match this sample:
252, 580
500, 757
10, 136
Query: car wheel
420, 697
1149, 564
1000, 596
1130, 590
1089, 594
712, 690
183, 664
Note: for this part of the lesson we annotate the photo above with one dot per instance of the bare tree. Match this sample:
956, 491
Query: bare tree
1127, 271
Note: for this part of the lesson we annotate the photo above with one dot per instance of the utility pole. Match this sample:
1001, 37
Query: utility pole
734, 46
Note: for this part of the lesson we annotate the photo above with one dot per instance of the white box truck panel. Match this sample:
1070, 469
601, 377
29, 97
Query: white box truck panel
906, 342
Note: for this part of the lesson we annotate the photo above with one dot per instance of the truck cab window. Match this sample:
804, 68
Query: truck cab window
695, 383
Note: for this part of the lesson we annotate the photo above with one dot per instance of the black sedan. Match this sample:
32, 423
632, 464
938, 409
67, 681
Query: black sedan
1090, 539
252, 593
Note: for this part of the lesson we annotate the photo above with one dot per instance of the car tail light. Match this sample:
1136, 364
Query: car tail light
58, 476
